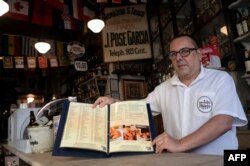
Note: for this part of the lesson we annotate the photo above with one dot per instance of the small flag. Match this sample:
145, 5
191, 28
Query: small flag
89, 7
19, 62
31, 61
69, 22
101, 1
53, 62
59, 48
42, 62
19, 9
116, 1
42, 14
58, 4
133, 1
7, 62
11, 41
63, 60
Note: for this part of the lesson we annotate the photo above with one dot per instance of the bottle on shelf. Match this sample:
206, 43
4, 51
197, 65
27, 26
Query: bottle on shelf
44, 119
239, 25
245, 25
32, 119
247, 61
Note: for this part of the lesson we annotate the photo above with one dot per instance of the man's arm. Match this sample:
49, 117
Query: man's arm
104, 100
211, 130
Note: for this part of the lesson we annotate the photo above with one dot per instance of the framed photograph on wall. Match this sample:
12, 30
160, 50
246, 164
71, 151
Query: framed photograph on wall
134, 89
114, 86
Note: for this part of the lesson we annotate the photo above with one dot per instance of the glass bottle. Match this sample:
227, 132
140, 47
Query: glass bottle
44, 119
32, 118
247, 61
239, 24
245, 20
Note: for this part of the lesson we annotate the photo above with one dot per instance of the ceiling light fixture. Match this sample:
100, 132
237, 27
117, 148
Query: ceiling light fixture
42, 47
4, 7
224, 30
96, 25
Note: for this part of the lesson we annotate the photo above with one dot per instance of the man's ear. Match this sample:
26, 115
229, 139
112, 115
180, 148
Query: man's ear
199, 52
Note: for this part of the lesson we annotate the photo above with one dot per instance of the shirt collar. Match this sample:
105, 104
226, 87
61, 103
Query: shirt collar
175, 79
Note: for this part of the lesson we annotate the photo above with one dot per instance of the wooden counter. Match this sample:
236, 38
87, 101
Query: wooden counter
169, 159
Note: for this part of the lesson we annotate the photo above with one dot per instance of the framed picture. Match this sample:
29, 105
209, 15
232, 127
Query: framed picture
134, 89
114, 87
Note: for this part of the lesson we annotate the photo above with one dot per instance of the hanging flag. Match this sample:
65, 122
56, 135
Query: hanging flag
4, 45
31, 47
17, 43
77, 10
133, 1
7, 62
116, 1
58, 4
63, 60
11, 46
101, 1
69, 22
89, 7
53, 62
19, 62
59, 48
85, 27
42, 14
28, 48
19, 9
42, 62
31, 62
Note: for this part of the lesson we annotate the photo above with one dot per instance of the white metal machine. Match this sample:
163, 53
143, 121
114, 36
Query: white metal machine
19, 120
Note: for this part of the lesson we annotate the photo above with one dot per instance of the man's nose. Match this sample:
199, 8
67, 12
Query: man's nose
178, 56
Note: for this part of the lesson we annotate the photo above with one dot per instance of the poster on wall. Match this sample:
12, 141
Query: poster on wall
125, 35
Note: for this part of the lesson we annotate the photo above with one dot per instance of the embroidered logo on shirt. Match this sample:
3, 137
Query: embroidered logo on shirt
204, 104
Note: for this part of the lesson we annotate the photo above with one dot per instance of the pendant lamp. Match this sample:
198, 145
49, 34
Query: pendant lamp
4, 7
97, 24
42, 47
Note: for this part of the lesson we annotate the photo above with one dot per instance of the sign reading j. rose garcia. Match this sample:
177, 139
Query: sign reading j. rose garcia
125, 35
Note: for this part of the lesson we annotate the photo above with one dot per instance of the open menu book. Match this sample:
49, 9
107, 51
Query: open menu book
124, 126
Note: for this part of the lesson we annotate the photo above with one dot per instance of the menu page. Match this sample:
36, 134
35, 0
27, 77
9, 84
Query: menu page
85, 127
130, 127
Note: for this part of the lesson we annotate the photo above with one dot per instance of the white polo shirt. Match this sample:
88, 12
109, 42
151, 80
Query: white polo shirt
185, 109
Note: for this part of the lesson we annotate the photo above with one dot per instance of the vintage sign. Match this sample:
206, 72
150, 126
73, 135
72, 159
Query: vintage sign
19, 62
31, 62
75, 50
125, 35
81, 66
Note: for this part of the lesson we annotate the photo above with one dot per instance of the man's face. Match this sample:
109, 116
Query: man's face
187, 67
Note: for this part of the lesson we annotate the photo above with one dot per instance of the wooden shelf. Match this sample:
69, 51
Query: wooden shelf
239, 3
243, 38
246, 76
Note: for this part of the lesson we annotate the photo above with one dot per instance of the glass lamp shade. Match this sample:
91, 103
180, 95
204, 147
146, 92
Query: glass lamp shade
96, 25
42, 47
4, 7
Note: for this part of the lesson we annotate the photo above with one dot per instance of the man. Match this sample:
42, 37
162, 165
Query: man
200, 107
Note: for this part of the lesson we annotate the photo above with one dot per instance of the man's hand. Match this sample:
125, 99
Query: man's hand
102, 101
165, 141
